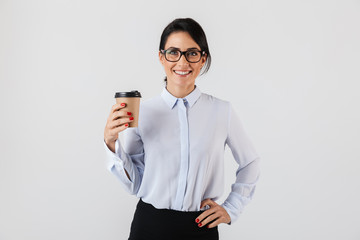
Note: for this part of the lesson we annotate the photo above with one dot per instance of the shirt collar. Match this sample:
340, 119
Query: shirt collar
171, 100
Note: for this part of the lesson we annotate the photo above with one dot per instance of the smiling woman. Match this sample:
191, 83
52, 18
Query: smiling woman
184, 35
180, 72
174, 160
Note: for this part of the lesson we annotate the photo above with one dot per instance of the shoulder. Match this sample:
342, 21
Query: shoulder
213, 104
150, 102
151, 106
210, 99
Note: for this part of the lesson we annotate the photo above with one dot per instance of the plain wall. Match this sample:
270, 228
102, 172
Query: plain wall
290, 68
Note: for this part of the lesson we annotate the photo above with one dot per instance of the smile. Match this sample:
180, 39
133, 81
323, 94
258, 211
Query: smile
182, 73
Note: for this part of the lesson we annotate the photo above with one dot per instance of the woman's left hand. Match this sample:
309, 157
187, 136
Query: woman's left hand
215, 214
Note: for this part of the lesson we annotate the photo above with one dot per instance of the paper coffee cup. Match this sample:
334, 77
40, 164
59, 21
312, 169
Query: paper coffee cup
132, 101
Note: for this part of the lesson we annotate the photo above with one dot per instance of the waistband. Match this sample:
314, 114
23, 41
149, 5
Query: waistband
151, 223
167, 212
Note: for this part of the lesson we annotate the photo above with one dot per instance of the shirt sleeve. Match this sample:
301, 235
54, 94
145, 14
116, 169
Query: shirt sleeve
248, 171
129, 158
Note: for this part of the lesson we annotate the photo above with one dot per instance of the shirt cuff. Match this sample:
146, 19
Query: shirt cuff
118, 162
235, 203
117, 157
234, 206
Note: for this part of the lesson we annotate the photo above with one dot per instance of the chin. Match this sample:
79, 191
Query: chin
183, 81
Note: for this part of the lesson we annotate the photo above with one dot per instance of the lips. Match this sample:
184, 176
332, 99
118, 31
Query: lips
182, 72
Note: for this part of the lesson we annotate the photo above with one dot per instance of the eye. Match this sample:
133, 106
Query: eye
172, 52
193, 53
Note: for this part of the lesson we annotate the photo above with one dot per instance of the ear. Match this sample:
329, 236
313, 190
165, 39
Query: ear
203, 60
161, 58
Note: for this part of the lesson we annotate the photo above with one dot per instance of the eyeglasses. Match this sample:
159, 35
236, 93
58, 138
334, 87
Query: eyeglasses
174, 55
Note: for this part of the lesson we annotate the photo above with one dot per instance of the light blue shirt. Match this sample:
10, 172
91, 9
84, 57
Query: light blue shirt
175, 157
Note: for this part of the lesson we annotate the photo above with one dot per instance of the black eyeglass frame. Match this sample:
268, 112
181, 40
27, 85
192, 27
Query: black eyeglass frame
182, 53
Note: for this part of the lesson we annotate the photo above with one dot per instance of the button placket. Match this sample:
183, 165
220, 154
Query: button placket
184, 162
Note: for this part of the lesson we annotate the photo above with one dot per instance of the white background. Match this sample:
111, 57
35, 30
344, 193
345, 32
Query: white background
290, 68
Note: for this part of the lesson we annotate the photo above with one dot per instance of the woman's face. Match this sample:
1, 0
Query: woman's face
181, 73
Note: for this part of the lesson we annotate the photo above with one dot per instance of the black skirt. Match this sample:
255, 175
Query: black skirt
150, 223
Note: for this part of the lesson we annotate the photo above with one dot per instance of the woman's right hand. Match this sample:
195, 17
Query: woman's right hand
117, 121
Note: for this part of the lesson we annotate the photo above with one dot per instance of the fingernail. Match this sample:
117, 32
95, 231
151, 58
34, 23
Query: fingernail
131, 118
123, 104
126, 125
207, 226
129, 113
199, 224
197, 220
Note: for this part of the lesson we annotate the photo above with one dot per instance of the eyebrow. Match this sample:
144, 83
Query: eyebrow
192, 48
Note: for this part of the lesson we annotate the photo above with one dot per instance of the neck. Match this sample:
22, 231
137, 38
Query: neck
180, 92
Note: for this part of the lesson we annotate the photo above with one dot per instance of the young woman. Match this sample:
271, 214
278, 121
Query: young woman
174, 160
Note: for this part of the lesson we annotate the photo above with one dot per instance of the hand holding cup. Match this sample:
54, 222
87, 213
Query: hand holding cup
118, 120
124, 114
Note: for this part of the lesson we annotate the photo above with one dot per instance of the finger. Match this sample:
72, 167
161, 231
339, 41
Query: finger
120, 121
223, 217
215, 223
120, 113
116, 130
207, 202
209, 219
117, 106
204, 215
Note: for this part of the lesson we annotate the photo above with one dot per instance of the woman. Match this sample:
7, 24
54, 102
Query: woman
174, 160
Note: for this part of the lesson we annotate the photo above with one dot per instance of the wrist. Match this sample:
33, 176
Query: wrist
109, 141
110, 144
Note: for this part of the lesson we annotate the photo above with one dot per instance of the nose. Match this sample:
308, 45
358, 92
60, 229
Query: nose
183, 60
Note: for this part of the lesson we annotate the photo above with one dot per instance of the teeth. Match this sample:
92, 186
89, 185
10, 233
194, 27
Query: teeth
182, 73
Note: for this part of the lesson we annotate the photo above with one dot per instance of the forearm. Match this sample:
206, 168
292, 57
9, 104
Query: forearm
124, 167
243, 189
111, 146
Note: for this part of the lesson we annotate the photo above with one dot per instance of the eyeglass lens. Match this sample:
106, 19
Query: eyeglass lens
174, 55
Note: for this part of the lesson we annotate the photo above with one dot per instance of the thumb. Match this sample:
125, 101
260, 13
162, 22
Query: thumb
207, 202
